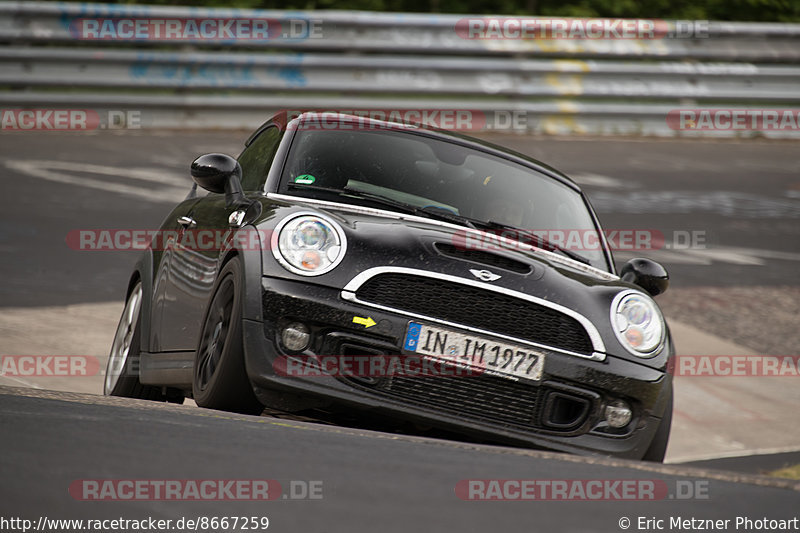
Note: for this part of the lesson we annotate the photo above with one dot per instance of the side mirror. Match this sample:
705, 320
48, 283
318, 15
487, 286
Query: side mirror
219, 173
647, 274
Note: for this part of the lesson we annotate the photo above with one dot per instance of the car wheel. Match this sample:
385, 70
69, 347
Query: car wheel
122, 370
658, 448
220, 379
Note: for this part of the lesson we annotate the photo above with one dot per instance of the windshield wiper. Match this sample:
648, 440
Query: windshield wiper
428, 211
448, 216
540, 241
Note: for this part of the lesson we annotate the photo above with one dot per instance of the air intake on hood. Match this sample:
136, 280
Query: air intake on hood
484, 258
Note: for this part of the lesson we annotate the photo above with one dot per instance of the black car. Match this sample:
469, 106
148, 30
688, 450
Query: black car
370, 267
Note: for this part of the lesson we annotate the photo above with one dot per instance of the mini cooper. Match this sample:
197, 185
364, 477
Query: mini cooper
389, 270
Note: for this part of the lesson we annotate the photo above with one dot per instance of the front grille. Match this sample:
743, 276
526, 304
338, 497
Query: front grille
478, 308
477, 397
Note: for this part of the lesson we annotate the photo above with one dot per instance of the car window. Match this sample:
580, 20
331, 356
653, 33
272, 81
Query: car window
256, 159
424, 172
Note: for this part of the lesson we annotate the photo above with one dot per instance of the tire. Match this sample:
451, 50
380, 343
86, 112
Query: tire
122, 369
219, 377
658, 448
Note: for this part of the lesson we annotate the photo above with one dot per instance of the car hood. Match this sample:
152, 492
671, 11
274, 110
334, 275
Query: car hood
394, 241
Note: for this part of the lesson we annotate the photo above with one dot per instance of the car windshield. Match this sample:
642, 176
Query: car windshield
413, 173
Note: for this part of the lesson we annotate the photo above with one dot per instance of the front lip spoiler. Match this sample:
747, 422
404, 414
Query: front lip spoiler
349, 294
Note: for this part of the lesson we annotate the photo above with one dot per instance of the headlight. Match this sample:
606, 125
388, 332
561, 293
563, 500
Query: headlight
638, 323
308, 244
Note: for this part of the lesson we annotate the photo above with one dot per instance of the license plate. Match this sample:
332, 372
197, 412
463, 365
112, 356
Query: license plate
487, 356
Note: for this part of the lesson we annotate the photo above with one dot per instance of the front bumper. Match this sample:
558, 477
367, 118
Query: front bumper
562, 412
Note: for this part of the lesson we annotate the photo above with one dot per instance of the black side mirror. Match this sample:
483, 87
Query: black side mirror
219, 173
647, 274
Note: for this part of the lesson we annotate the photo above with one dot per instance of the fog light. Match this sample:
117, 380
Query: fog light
296, 336
618, 414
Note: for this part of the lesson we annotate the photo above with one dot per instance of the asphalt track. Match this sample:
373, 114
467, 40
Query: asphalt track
743, 197
367, 481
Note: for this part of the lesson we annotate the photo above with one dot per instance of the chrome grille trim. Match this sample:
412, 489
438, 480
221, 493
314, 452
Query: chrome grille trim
349, 294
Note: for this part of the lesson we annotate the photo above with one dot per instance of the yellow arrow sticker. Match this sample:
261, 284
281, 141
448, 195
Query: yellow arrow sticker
365, 321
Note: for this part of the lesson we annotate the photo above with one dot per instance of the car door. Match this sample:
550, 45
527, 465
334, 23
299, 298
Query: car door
163, 248
194, 259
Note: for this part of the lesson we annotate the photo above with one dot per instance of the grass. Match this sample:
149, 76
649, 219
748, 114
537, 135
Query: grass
787, 472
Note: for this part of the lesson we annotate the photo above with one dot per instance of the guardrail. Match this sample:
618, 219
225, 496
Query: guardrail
357, 60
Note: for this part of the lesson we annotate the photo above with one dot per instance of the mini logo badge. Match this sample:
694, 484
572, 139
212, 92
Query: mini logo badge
484, 275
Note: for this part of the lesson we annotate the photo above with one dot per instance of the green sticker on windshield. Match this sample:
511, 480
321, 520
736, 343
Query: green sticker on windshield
305, 179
